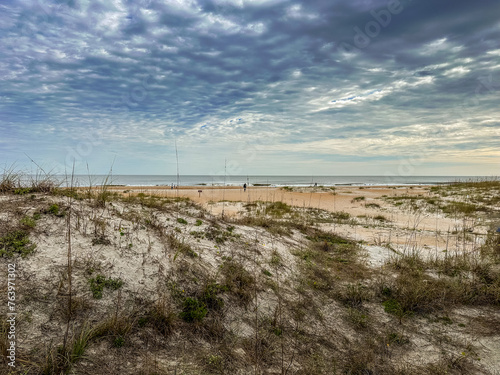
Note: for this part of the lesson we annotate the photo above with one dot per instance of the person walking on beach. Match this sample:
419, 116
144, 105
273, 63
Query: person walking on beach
244, 187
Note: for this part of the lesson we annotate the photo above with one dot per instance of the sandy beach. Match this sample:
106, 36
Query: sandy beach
138, 271
395, 225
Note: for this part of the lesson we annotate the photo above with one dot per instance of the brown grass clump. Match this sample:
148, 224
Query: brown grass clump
238, 281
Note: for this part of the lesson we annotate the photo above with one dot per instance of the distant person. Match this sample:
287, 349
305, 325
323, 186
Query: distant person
315, 184
171, 187
244, 187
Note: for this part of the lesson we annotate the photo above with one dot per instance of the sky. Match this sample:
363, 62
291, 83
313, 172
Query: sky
251, 87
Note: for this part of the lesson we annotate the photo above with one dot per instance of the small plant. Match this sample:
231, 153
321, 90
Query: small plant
341, 215
357, 199
193, 311
380, 218
210, 296
180, 220
101, 240
238, 280
22, 191
275, 259
357, 318
354, 295
160, 318
215, 363
81, 343
118, 342
98, 283
278, 209
28, 222
267, 273
395, 338
54, 210
180, 246
16, 242
198, 222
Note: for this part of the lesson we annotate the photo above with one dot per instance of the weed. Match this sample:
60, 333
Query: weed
220, 236
396, 338
54, 210
276, 259
180, 246
341, 215
357, 199
277, 209
198, 222
353, 295
267, 273
160, 318
101, 240
16, 242
180, 220
357, 318
81, 342
215, 363
193, 311
238, 280
28, 222
210, 296
98, 283
118, 342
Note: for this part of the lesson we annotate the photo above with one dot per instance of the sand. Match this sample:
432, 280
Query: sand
435, 231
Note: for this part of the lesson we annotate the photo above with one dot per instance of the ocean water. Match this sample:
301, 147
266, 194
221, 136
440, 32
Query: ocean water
231, 180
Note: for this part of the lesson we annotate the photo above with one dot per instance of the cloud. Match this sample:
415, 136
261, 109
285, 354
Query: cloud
223, 76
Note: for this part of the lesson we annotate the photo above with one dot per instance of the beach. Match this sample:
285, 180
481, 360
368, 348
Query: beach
197, 274
371, 207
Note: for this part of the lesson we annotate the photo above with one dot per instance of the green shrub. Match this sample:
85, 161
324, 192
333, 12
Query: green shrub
118, 342
210, 296
22, 191
54, 210
180, 220
278, 209
16, 242
194, 310
28, 222
98, 283
392, 306
341, 215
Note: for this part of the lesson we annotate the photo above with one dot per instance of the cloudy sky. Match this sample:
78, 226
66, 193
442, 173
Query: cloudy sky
330, 87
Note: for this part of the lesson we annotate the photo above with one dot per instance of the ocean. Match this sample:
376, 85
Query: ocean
277, 181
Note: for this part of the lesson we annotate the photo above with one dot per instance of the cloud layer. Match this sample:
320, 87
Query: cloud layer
273, 86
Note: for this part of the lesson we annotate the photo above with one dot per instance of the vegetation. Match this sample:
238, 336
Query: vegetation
278, 289
193, 311
98, 283
16, 242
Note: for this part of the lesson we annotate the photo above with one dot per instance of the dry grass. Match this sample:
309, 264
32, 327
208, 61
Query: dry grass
307, 303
